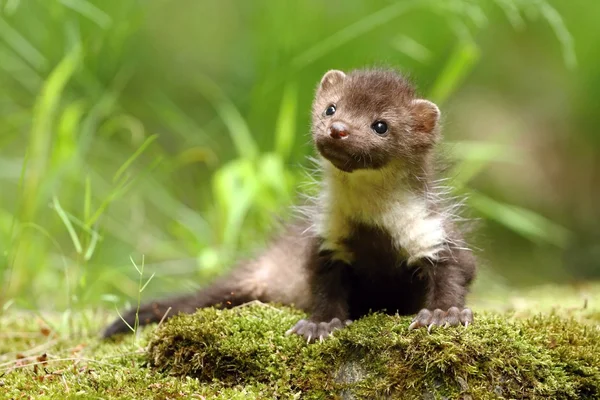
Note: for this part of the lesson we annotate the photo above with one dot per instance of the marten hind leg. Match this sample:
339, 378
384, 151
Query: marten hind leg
449, 279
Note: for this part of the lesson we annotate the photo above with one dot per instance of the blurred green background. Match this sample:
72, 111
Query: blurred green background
175, 132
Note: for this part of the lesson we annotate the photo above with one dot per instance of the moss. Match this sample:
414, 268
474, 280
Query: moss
244, 354
38, 362
543, 356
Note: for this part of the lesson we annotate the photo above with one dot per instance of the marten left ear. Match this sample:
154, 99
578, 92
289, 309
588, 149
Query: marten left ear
331, 78
425, 115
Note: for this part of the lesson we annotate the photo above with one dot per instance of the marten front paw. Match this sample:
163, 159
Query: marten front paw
312, 331
453, 317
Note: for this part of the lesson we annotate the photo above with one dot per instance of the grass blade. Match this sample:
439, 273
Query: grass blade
65, 219
456, 69
148, 281
91, 247
41, 135
133, 157
512, 13
65, 144
522, 221
89, 11
238, 129
135, 265
21, 46
10, 6
123, 319
411, 48
285, 131
353, 31
562, 33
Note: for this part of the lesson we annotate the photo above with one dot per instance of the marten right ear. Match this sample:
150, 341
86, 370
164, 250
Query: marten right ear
331, 78
425, 115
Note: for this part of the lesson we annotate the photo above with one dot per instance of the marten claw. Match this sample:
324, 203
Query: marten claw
312, 330
452, 317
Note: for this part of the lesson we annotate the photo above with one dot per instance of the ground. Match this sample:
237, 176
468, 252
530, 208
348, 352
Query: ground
541, 343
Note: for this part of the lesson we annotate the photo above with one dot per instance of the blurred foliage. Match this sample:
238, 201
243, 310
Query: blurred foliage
177, 130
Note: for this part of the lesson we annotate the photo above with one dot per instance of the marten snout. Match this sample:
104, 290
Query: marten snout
338, 130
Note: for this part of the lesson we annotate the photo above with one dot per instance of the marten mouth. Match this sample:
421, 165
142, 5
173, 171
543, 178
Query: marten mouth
341, 160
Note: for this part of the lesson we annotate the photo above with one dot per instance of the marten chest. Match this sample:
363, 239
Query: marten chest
396, 222
373, 249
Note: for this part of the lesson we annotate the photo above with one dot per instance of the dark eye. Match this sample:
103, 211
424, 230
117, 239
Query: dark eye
379, 127
330, 110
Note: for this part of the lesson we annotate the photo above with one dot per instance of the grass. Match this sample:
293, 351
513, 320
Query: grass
188, 171
542, 348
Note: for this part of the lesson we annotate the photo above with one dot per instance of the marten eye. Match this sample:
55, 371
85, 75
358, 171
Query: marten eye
379, 127
330, 110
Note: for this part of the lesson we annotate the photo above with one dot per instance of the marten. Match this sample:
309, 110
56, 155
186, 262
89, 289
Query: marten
376, 238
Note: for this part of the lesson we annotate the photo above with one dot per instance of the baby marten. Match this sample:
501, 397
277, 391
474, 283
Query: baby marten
377, 238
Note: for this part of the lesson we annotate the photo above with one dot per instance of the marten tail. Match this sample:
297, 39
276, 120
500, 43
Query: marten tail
224, 293
277, 275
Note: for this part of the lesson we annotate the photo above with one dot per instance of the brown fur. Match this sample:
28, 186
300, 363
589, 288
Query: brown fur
295, 269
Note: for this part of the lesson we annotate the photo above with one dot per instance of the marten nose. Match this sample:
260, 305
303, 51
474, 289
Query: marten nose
338, 130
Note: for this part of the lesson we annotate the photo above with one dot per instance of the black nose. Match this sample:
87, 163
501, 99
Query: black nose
338, 130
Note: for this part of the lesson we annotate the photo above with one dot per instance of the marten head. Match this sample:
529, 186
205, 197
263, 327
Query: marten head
369, 118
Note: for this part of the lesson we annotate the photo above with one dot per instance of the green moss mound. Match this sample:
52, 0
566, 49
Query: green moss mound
543, 356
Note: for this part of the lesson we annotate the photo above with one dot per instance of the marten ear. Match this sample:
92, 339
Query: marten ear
425, 115
331, 78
